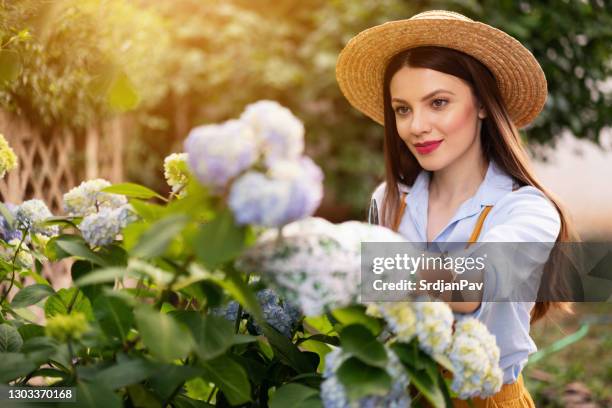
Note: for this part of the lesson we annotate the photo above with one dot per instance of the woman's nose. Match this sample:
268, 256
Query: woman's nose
419, 124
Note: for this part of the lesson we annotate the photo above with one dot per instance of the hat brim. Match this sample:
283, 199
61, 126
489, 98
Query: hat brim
361, 64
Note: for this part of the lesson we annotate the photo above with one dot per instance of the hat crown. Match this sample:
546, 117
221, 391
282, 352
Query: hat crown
440, 14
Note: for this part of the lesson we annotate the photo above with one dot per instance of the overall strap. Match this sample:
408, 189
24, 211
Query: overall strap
478, 226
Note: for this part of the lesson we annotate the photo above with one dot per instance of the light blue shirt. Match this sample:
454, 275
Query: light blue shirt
522, 215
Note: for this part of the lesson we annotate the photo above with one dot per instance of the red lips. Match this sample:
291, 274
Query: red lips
427, 147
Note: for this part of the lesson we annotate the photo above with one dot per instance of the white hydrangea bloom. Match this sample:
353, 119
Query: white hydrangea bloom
280, 134
475, 357
399, 316
176, 171
218, 152
434, 326
87, 198
101, 228
32, 213
316, 265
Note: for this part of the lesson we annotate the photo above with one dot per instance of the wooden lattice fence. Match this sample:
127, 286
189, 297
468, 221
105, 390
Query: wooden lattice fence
51, 164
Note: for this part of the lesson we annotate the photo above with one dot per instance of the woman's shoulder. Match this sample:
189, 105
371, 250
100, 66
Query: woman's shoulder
529, 209
526, 198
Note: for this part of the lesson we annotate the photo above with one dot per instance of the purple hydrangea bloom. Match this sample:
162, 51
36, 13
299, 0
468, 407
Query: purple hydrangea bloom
279, 132
292, 190
280, 314
6, 232
218, 152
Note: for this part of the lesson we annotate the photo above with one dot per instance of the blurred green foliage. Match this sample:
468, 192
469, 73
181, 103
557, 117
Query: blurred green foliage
186, 62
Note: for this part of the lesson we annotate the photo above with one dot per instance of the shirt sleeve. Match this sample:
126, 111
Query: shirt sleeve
522, 230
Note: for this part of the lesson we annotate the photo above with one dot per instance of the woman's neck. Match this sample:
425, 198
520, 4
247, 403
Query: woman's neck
460, 180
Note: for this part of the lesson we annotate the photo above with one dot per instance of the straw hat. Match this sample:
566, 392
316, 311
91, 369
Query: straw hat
361, 64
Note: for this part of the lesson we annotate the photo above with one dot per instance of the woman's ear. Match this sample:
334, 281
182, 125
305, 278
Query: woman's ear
482, 112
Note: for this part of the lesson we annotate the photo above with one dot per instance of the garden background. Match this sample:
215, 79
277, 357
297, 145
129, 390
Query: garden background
109, 88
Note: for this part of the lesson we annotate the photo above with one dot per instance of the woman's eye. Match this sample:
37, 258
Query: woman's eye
439, 100
399, 110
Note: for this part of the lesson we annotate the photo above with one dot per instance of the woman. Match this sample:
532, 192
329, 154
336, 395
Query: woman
451, 94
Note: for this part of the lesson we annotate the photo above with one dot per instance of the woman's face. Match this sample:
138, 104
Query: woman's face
436, 115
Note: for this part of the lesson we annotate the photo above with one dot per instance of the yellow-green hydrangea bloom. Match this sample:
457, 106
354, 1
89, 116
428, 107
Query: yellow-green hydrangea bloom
176, 171
65, 327
8, 159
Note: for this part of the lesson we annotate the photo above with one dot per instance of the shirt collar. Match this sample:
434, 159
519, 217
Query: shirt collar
495, 185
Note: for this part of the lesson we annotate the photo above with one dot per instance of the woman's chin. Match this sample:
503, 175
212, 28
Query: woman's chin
431, 163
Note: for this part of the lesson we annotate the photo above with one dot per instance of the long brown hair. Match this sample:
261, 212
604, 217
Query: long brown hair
500, 141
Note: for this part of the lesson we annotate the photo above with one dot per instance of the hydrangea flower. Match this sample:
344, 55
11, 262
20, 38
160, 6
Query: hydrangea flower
218, 152
314, 265
176, 172
291, 191
32, 213
64, 327
24, 257
434, 326
475, 358
333, 393
399, 316
87, 198
102, 227
7, 232
280, 134
8, 159
283, 316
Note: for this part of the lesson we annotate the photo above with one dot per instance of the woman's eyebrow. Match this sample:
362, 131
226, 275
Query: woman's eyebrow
429, 95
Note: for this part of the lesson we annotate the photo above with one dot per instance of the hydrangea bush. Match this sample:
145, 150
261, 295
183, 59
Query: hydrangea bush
228, 292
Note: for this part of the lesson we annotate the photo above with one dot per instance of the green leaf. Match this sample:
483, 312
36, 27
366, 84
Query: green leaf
60, 302
219, 240
31, 295
164, 337
10, 66
80, 249
170, 377
104, 275
294, 395
132, 190
361, 343
156, 239
94, 395
114, 316
422, 370
427, 385
213, 335
317, 347
148, 211
182, 401
126, 373
302, 362
361, 379
122, 95
14, 365
54, 252
230, 377
356, 314
29, 331
10, 339
140, 396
